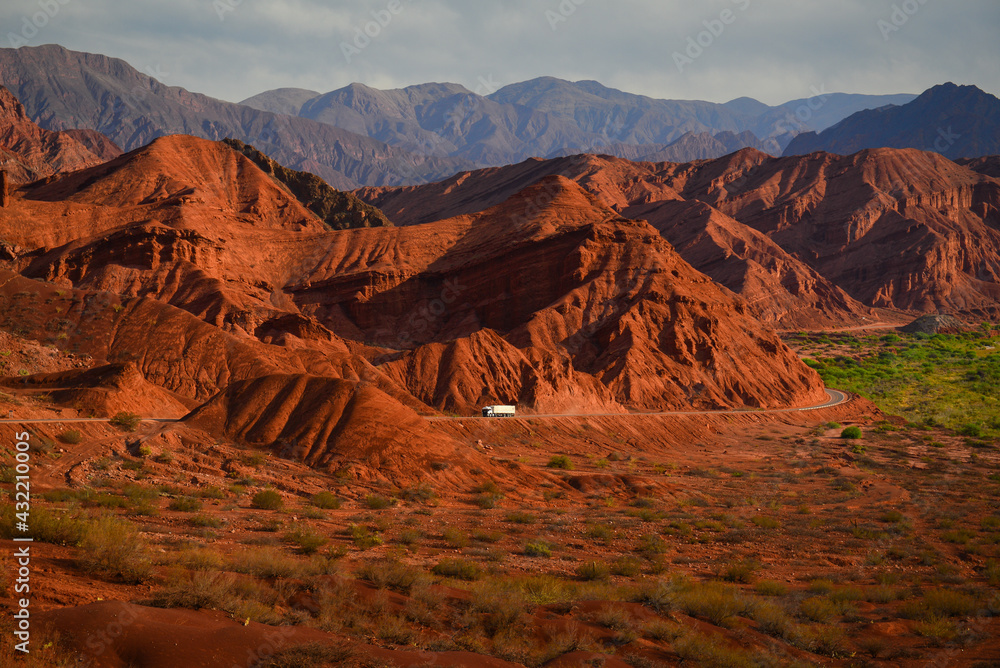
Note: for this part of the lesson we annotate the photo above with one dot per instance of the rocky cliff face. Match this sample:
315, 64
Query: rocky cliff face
812, 241
27, 152
550, 298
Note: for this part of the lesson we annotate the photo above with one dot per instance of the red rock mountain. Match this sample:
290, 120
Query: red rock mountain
808, 241
186, 260
27, 152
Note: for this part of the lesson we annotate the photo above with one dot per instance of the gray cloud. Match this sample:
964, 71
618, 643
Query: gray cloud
773, 50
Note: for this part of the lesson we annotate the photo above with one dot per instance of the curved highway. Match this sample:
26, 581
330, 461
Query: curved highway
836, 398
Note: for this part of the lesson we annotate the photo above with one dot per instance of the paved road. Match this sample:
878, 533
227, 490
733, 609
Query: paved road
836, 398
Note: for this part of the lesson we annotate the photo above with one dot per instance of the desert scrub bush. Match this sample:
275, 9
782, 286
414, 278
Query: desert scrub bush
771, 588
125, 421
818, 609
46, 526
851, 433
305, 539
948, 603
378, 502
503, 608
113, 548
651, 544
455, 537
717, 602
819, 586
267, 499
421, 492
773, 619
538, 549
71, 436
211, 492
626, 566
601, 532
325, 500
593, 570
740, 571
765, 522
185, 504
390, 573
267, 562
939, 631
312, 655
560, 462
460, 569
521, 517
363, 537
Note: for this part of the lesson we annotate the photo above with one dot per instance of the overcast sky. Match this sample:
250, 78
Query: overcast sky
717, 50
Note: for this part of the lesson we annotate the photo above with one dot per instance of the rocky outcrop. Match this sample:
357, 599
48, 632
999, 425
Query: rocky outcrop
935, 324
28, 152
812, 241
339, 210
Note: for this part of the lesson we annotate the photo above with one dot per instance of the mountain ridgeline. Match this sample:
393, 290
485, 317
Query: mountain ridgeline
359, 136
339, 210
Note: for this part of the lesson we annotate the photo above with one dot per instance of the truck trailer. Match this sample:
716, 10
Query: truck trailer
498, 411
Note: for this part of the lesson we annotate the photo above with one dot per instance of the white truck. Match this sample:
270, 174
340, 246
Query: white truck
498, 411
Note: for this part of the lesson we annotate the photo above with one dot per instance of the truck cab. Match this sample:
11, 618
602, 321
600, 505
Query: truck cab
498, 411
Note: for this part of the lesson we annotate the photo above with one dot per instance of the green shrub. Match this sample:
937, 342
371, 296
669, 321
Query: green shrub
378, 502
593, 570
126, 421
818, 609
306, 540
461, 569
390, 574
325, 500
851, 433
267, 499
560, 462
626, 566
740, 571
185, 504
455, 537
771, 588
538, 549
113, 548
521, 517
205, 522
765, 522
71, 436
363, 538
